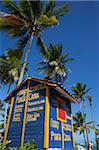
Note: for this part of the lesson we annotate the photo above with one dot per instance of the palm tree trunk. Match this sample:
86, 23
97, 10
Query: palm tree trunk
25, 60
82, 107
87, 137
84, 138
93, 121
92, 116
5, 116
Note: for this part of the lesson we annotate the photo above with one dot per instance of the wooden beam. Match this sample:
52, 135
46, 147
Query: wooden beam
46, 121
9, 117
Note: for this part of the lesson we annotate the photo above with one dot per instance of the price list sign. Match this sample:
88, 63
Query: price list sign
16, 121
60, 132
39, 112
35, 117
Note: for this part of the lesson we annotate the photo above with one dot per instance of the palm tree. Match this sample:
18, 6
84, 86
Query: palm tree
80, 90
10, 66
27, 19
90, 98
78, 121
82, 127
3, 116
55, 63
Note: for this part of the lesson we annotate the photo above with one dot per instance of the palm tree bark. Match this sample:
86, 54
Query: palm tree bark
5, 115
84, 138
92, 116
25, 61
87, 136
93, 120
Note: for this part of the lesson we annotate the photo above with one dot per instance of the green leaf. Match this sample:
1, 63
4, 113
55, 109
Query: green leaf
43, 48
61, 10
44, 20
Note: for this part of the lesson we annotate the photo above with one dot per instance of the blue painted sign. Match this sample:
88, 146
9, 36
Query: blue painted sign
35, 117
16, 121
68, 143
59, 119
34, 126
56, 120
55, 134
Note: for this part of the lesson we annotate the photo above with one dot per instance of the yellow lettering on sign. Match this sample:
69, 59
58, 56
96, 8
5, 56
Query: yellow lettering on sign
20, 99
32, 117
21, 96
35, 109
22, 92
67, 137
33, 96
16, 119
19, 106
17, 110
17, 115
54, 124
55, 136
67, 127
35, 103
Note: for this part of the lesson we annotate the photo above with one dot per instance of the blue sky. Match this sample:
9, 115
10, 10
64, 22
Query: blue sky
78, 31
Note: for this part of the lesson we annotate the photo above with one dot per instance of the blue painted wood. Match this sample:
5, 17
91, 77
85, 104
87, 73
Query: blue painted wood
57, 130
68, 144
35, 129
54, 132
15, 128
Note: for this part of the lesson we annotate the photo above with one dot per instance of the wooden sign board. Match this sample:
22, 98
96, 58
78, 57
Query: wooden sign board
37, 115
60, 133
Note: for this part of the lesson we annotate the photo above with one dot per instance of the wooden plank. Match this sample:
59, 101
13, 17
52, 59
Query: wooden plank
46, 121
9, 116
72, 132
62, 124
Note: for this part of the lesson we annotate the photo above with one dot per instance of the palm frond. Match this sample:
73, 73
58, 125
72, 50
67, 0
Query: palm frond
11, 6
37, 8
60, 11
14, 52
43, 48
47, 21
56, 69
21, 43
25, 8
68, 60
50, 7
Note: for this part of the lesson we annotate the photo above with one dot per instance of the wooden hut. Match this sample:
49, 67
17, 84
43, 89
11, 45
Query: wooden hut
40, 110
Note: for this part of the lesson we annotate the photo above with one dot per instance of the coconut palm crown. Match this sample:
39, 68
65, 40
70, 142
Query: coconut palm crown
82, 127
26, 18
10, 66
80, 90
55, 63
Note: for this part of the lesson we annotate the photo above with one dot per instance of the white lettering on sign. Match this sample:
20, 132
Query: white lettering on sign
67, 137
33, 117
55, 136
35, 109
54, 124
33, 96
67, 127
